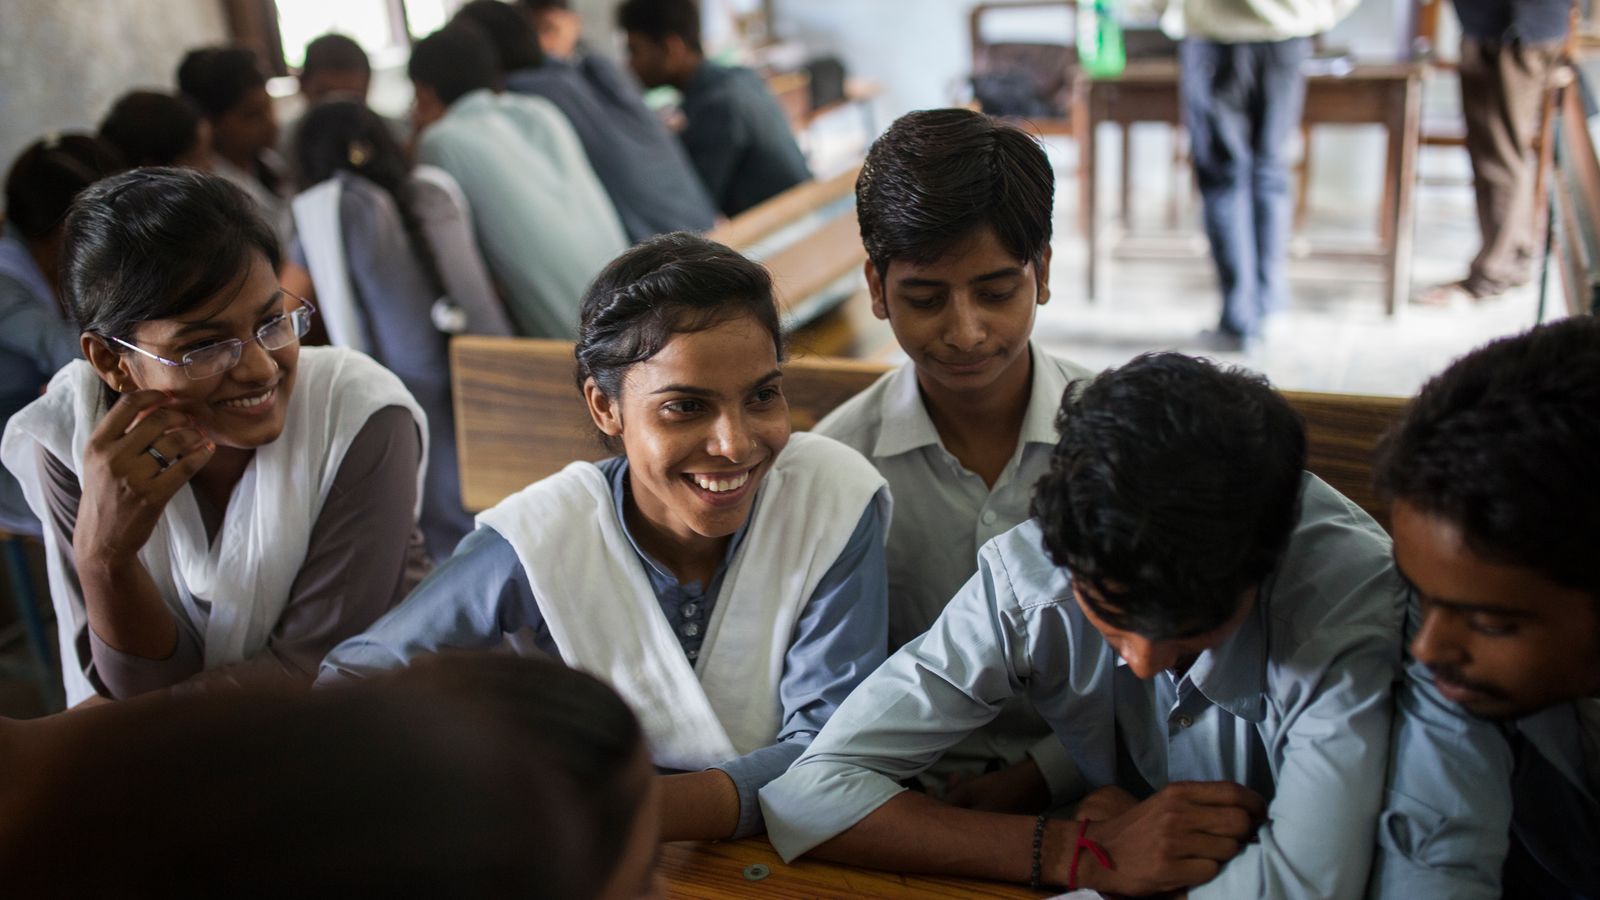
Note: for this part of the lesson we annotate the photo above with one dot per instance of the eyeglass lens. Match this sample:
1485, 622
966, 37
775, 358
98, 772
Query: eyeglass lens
275, 335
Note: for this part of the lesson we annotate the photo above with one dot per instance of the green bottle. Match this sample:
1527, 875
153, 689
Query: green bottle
1099, 39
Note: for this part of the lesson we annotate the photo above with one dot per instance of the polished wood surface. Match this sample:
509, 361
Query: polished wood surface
1382, 94
763, 220
713, 871
519, 417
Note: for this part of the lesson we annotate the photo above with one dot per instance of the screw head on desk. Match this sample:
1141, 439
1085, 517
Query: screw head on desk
756, 872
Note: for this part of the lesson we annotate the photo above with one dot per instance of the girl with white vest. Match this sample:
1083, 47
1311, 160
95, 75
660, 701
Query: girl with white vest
725, 576
219, 505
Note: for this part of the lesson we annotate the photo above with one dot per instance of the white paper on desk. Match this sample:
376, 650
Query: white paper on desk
1084, 894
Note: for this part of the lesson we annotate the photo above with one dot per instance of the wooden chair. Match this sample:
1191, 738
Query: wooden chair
520, 418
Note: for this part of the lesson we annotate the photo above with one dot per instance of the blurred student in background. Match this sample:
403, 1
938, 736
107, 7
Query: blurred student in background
543, 219
37, 337
396, 271
230, 88
641, 165
155, 128
736, 135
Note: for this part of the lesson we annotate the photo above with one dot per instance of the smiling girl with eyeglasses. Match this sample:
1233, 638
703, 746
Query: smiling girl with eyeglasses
217, 500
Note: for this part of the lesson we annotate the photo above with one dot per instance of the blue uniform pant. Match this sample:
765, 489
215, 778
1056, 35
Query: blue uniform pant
1241, 103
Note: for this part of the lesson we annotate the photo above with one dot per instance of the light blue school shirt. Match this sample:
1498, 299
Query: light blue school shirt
482, 593
544, 223
943, 513
1294, 705
1462, 789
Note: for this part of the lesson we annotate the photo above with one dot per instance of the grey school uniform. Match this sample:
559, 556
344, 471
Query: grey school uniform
643, 168
738, 138
943, 513
1480, 809
1294, 705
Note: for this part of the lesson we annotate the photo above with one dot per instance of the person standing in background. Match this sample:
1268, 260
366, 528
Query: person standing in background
736, 134
1508, 49
1243, 94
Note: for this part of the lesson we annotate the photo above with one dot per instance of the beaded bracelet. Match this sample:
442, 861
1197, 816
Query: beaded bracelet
1038, 849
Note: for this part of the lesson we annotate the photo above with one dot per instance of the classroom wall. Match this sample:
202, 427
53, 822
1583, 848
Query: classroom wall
62, 62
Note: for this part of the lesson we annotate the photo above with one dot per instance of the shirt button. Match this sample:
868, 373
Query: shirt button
694, 654
691, 630
988, 517
690, 610
1185, 721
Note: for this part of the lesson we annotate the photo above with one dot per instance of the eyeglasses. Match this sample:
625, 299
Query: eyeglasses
214, 359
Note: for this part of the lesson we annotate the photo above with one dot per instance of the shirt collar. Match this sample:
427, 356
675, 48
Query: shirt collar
619, 497
1233, 674
471, 100
907, 426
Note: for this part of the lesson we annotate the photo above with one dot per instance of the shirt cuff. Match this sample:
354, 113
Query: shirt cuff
1060, 773
126, 675
816, 800
751, 772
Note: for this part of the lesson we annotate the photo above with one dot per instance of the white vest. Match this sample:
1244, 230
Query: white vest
603, 614
246, 575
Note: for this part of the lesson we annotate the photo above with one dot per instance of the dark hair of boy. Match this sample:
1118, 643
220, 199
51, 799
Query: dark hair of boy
671, 284
1503, 445
515, 42
657, 19
217, 78
48, 174
455, 61
1173, 490
542, 5
936, 176
152, 128
334, 53
153, 243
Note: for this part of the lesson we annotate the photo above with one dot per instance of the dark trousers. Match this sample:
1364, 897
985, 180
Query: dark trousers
1241, 103
1502, 94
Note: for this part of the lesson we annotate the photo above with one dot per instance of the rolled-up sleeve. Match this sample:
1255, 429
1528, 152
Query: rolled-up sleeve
929, 695
470, 602
838, 641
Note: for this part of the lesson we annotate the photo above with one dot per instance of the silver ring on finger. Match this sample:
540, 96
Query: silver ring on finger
160, 459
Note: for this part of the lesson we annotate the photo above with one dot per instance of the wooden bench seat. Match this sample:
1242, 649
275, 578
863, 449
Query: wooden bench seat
519, 417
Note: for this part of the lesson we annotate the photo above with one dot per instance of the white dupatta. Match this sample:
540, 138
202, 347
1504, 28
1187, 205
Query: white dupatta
597, 601
231, 592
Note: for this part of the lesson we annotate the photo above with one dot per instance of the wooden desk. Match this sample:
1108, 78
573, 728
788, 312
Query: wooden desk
1387, 95
718, 871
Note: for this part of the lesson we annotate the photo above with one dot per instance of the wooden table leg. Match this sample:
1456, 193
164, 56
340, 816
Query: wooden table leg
1405, 111
1083, 128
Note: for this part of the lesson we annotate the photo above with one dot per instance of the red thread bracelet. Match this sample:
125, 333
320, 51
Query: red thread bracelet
1080, 845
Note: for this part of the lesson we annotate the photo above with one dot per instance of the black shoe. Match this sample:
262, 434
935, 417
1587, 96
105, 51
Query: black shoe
1221, 340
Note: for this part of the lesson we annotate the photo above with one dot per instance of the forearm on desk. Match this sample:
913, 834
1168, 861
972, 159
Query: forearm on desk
912, 832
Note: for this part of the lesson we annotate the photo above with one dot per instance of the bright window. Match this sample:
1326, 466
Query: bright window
374, 24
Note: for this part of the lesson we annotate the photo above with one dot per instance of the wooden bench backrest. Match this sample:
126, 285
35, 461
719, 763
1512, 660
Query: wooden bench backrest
519, 417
